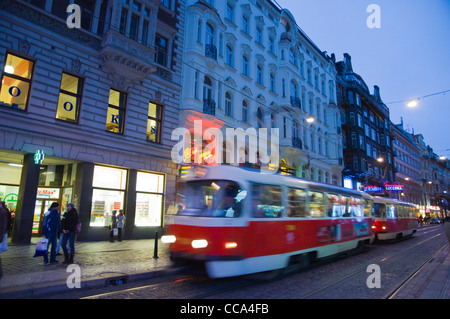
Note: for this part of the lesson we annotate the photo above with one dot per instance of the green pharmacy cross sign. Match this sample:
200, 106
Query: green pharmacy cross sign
38, 157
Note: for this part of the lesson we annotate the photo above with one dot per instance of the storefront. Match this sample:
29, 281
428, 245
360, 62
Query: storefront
96, 191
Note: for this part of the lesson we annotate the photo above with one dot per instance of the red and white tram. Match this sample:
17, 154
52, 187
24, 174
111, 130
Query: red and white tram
393, 219
240, 221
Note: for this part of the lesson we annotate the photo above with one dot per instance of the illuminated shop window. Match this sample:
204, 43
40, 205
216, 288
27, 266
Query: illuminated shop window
116, 112
154, 123
149, 199
69, 98
16, 80
109, 185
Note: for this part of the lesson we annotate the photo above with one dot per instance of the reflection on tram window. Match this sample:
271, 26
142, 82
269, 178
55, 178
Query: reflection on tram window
390, 211
210, 198
356, 209
296, 203
368, 204
316, 204
266, 201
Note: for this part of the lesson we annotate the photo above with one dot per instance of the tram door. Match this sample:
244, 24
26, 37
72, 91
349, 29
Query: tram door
40, 208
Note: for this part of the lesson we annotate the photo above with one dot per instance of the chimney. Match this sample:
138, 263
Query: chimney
376, 93
348, 63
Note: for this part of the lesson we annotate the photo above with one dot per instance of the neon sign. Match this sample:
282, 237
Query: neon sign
394, 187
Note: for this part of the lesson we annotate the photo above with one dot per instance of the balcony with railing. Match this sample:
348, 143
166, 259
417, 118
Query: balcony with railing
297, 143
209, 107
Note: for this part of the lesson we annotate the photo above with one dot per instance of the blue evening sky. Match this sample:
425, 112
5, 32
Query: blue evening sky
408, 57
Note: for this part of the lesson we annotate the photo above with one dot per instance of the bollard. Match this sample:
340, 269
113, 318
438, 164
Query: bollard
155, 252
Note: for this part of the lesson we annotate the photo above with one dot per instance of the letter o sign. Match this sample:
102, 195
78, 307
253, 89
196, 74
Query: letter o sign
68, 106
14, 91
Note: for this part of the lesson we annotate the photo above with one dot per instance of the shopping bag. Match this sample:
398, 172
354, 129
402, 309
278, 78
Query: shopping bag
4, 244
41, 247
115, 231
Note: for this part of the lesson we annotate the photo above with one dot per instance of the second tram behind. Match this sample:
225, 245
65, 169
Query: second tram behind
239, 221
393, 219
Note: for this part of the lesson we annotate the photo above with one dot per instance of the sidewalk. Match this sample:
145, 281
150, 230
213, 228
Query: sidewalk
100, 263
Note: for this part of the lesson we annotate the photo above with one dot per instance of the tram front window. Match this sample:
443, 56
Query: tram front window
210, 198
379, 210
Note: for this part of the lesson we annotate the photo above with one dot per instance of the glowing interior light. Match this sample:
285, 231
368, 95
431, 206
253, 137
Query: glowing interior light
9, 69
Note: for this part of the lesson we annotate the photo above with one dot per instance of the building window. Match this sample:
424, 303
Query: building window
134, 21
149, 199
228, 104
244, 111
272, 82
230, 12
167, 3
229, 55
109, 185
69, 98
245, 24
16, 80
116, 112
161, 46
154, 123
259, 35
245, 66
259, 75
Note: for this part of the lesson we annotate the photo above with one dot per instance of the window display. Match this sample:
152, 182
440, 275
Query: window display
108, 194
149, 199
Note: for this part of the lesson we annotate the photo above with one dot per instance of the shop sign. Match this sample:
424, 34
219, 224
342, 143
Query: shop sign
47, 192
394, 187
39, 157
373, 189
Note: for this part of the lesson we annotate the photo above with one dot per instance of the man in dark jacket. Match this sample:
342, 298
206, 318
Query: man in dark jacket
50, 227
69, 224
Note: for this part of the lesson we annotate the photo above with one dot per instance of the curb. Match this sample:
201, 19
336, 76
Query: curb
45, 290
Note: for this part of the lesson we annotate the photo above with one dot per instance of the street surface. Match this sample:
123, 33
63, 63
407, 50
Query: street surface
343, 277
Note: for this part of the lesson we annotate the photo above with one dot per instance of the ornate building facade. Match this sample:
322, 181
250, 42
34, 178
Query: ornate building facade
87, 113
248, 65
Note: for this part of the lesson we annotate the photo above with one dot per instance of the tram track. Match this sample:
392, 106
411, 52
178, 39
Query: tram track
192, 285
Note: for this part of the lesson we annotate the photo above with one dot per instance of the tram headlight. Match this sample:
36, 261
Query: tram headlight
168, 239
199, 243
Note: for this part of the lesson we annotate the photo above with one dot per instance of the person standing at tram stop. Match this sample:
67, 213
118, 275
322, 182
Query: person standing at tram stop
50, 227
113, 226
3, 227
120, 223
69, 224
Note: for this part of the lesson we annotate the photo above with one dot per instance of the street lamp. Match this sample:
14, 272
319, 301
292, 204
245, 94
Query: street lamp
412, 103
310, 119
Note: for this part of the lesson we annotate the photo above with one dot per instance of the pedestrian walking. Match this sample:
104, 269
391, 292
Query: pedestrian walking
69, 224
120, 224
3, 226
50, 227
113, 226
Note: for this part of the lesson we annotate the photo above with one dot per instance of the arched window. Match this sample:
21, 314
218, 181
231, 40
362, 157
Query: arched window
209, 39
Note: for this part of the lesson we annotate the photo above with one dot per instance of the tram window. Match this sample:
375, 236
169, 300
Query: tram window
390, 213
368, 204
356, 207
379, 210
296, 203
266, 201
345, 206
210, 198
333, 206
316, 204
